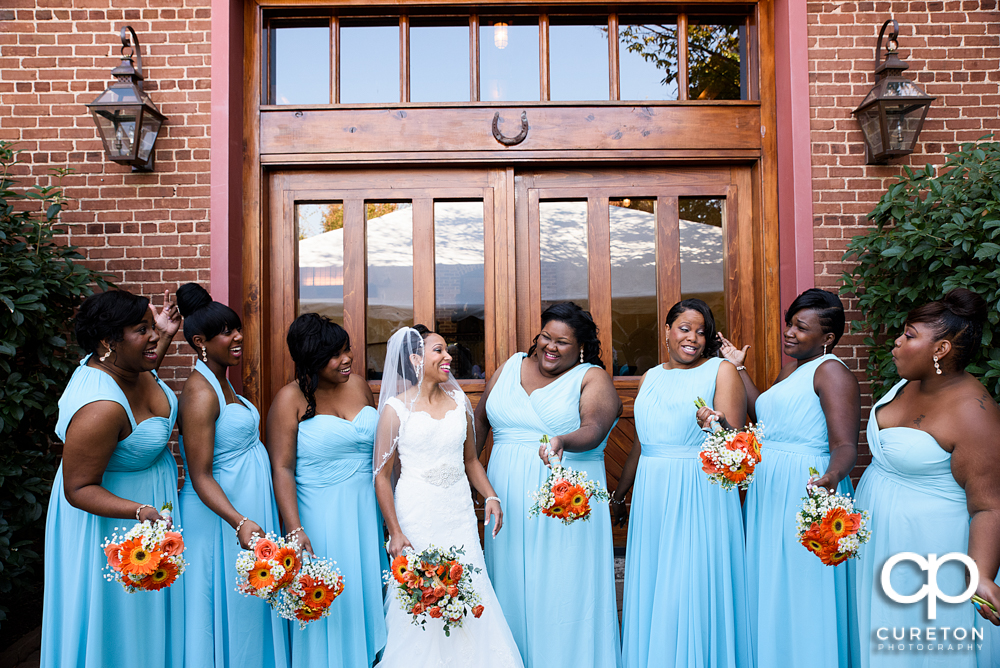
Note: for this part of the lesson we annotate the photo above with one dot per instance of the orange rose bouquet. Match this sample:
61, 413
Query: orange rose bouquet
268, 566
566, 494
147, 557
729, 456
828, 524
435, 584
313, 588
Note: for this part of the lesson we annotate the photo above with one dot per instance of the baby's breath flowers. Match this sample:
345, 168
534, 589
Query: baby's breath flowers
147, 557
828, 524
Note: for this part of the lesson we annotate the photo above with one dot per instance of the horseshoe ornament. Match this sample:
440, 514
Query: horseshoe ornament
510, 141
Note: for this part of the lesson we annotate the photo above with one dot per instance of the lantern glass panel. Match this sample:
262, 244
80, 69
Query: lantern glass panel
870, 127
902, 88
903, 122
117, 128
119, 94
148, 131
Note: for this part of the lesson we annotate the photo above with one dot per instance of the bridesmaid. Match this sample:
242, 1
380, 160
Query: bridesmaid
226, 497
685, 568
932, 485
115, 420
811, 418
556, 583
320, 435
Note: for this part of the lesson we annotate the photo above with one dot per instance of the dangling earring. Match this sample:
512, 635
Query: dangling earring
824, 349
204, 355
937, 367
106, 355
581, 354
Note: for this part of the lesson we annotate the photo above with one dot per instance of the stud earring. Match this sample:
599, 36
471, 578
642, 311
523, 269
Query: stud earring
106, 355
937, 367
204, 355
581, 354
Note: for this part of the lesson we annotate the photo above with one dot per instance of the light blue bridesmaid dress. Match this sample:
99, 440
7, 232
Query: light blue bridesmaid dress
222, 626
338, 510
916, 506
86, 620
685, 567
798, 606
555, 583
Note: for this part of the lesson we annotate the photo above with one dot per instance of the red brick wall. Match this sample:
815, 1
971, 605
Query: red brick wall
953, 50
149, 231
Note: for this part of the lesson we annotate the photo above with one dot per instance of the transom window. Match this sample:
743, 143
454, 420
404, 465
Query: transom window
508, 58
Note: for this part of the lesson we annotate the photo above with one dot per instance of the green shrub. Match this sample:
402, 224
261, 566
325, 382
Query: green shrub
935, 230
41, 284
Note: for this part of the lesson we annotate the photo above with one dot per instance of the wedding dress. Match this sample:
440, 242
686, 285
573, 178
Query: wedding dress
434, 507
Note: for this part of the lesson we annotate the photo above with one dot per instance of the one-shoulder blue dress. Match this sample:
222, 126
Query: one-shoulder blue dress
916, 506
88, 622
798, 605
685, 567
555, 583
222, 626
338, 510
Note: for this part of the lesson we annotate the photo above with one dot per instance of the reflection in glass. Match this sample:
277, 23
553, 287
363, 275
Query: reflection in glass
563, 253
390, 277
508, 59
634, 327
439, 63
300, 65
702, 264
459, 285
321, 259
578, 60
369, 63
717, 60
647, 60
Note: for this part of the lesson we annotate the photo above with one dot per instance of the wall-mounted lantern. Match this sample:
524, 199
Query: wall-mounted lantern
893, 112
500, 35
126, 118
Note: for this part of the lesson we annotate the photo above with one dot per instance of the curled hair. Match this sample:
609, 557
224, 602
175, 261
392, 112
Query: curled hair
828, 308
415, 341
202, 315
959, 317
313, 340
583, 328
712, 343
105, 316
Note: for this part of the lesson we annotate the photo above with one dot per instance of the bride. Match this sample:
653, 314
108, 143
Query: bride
425, 422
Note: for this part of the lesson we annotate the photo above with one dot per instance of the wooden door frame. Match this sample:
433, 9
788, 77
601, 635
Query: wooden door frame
754, 132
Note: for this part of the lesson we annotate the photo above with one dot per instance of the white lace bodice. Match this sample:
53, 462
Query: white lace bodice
429, 449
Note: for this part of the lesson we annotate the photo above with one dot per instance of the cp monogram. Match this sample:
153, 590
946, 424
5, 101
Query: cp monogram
930, 591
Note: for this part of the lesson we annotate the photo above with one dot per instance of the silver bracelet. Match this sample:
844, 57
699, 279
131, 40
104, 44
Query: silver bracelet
296, 530
139, 509
240, 526
741, 368
491, 498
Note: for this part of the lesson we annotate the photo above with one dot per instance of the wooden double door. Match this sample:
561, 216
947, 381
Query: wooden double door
477, 253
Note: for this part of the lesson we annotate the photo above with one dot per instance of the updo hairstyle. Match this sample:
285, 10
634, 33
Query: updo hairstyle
828, 308
712, 343
959, 317
202, 315
104, 317
583, 328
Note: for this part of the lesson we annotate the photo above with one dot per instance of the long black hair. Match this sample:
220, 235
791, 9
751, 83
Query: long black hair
828, 308
105, 316
313, 340
583, 328
712, 343
202, 315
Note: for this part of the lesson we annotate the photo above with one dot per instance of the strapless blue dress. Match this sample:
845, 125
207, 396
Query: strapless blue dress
88, 622
555, 583
338, 510
798, 606
685, 565
222, 626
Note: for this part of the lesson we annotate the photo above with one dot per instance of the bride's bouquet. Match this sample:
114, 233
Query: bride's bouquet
268, 566
729, 456
316, 585
828, 524
147, 557
566, 494
435, 584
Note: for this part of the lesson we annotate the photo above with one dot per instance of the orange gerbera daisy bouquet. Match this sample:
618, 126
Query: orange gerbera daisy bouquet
566, 494
147, 557
435, 584
828, 524
268, 566
729, 456
311, 591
